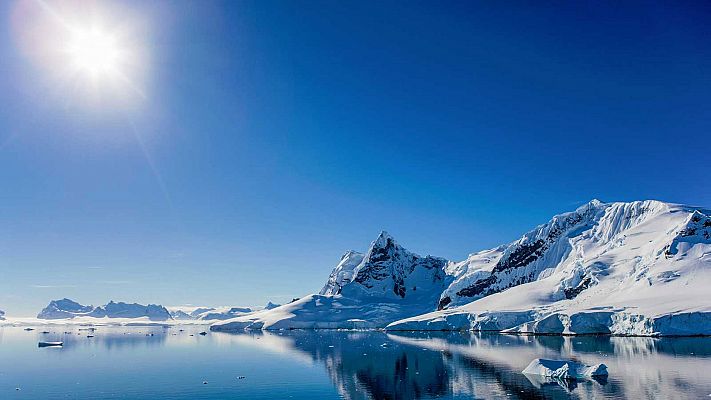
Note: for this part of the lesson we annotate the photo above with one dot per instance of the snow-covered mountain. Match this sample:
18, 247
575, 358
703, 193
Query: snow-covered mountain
180, 315
64, 308
638, 268
631, 268
67, 309
2, 315
214, 313
388, 271
222, 313
369, 290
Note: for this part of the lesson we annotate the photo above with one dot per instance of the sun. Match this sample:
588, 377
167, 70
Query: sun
94, 52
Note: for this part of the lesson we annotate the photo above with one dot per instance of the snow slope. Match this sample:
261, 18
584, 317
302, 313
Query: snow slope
68, 309
639, 268
343, 273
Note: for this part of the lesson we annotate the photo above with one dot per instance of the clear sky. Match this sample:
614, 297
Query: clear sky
253, 142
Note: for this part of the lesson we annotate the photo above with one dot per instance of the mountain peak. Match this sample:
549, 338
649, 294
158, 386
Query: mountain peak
594, 203
350, 253
382, 240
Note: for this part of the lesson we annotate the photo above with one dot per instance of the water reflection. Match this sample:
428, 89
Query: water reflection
107, 338
377, 365
359, 365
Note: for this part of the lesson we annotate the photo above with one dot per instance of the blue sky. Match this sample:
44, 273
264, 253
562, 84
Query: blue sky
273, 136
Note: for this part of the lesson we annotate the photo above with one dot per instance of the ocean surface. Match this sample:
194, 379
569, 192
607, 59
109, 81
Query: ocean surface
170, 363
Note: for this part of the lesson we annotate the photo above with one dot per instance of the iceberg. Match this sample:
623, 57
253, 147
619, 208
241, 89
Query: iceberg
564, 369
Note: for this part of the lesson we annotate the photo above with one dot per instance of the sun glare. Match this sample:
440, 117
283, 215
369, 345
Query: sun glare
94, 51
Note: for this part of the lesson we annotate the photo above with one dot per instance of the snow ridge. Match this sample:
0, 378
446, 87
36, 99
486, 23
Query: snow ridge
342, 274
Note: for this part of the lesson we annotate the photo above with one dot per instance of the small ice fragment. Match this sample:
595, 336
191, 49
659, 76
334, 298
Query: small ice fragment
49, 344
562, 369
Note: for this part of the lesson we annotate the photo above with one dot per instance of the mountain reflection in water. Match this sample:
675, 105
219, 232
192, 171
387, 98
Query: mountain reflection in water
377, 365
177, 363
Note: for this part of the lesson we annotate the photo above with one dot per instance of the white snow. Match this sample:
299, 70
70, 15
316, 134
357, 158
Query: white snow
343, 273
638, 268
564, 369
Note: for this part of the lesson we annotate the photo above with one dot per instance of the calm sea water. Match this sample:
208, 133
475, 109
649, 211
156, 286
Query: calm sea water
125, 363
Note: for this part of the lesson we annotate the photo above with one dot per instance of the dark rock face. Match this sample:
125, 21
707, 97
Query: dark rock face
386, 260
522, 256
511, 270
443, 302
571, 293
478, 287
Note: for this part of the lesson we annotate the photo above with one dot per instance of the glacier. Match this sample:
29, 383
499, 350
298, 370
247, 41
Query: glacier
622, 268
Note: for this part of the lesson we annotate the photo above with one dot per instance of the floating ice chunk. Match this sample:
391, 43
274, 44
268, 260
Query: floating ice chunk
562, 369
50, 344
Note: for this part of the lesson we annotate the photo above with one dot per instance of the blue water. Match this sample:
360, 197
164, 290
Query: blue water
125, 363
